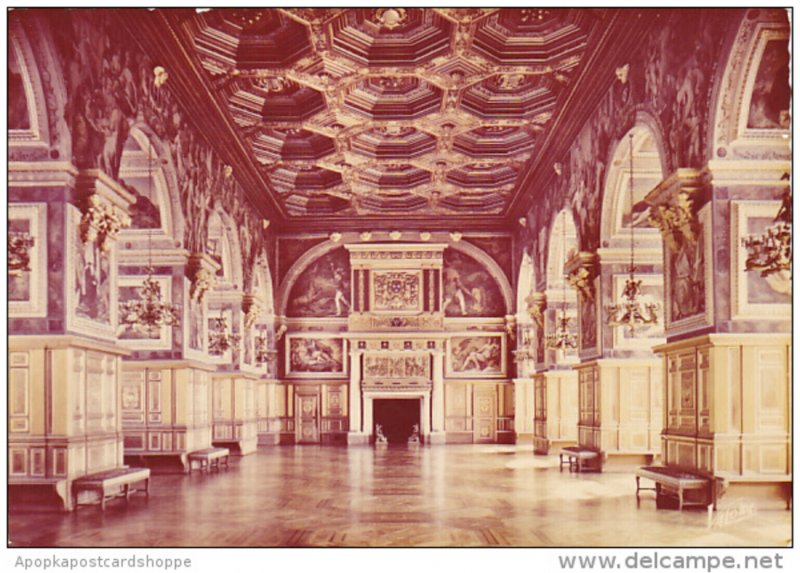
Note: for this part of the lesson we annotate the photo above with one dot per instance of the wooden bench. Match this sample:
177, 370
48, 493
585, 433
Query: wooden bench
208, 458
671, 481
580, 459
111, 484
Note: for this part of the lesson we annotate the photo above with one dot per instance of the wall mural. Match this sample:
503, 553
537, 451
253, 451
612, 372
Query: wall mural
92, 282
468, 288
323, 289
499, 248
20, 269
311, 355
588, 323
686, 260
18, 117
769, 104
672, 81
111, 85
476, 355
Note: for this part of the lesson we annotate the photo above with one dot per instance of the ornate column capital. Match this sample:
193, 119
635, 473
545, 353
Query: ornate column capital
674, 204
201, 270
537, 304
104, 205
582, 268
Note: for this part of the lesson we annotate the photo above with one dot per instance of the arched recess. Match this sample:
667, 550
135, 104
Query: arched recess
29, 125
300, 265
318, 251
157, 204
753, 95
494, 270
526, 284
648, 171
637, 166
223, 245
562, 242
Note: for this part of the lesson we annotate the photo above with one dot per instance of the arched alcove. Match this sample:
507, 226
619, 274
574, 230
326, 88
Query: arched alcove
562, 243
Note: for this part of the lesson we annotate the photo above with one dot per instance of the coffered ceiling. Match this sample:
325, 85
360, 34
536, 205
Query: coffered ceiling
391, 112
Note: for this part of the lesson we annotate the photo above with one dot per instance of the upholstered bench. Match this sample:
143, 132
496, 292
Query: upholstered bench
111, 484
580, 459
676, 482
208, 458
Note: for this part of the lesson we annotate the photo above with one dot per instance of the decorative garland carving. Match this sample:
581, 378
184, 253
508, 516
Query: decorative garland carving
202, 279
676, 219
101, 222
537, 304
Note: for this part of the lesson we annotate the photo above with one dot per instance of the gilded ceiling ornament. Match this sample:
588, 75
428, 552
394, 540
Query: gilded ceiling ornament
395, 235
528, 15
425, 236
390, 18
366, 236
456, 236
509, 82
335, 237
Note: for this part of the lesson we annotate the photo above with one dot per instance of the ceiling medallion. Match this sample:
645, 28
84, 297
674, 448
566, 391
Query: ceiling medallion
509, 82
390, 18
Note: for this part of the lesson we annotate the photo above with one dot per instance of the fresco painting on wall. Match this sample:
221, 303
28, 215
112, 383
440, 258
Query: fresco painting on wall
311, 354
476, 355
323, 289
588, 324
19, 280
469, 290
769, 104
775, 288
687, 271
18, 117
92, 282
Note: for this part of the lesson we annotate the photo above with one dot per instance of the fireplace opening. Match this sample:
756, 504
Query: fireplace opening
397, 418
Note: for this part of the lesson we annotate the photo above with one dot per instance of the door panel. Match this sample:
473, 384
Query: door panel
307, 413
485, 415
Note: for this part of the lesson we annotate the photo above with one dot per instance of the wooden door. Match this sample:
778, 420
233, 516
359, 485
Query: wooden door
307, 419
485, 415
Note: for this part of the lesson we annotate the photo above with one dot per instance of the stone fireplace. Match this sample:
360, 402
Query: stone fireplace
397, 418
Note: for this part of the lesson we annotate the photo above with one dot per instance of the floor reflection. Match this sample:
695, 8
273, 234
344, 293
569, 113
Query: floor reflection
393, 496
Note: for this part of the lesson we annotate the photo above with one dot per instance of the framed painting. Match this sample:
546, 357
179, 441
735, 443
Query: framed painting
27, 259
477, 356
314, 355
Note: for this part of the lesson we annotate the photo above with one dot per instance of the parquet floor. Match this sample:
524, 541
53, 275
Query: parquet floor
440, 496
